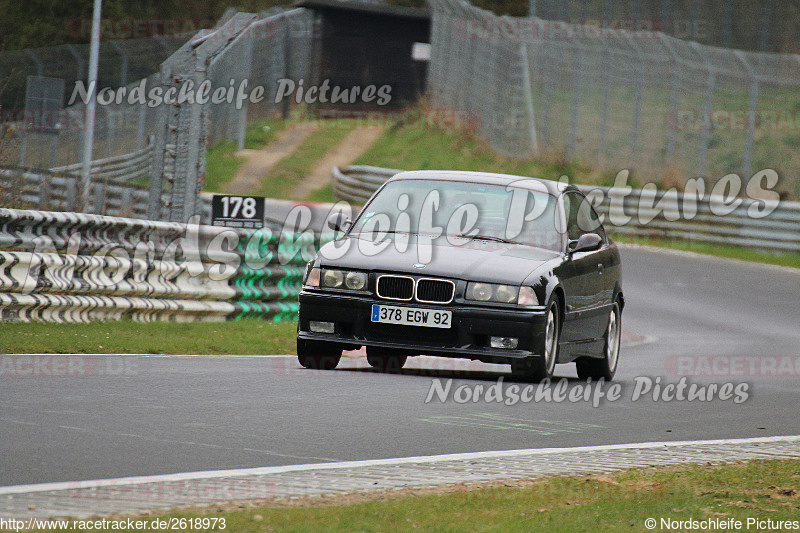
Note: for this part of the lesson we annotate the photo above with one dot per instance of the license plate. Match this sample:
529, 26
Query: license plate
411, 316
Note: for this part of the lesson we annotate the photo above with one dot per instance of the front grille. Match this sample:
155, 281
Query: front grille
396, 287
437, 291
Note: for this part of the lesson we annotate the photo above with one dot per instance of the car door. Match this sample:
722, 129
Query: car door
586, 292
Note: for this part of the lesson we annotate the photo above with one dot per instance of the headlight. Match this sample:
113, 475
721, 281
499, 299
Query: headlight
343, 279
505, 294
333, 278
356, 281
481, 292
489, 292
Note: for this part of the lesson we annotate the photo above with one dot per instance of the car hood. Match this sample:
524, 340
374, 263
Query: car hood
472, 260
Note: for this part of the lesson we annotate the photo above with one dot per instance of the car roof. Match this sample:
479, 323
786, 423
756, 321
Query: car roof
553, 187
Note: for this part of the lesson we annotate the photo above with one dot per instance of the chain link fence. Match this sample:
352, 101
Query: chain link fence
667, 108
119, 128
244, 53
766, 26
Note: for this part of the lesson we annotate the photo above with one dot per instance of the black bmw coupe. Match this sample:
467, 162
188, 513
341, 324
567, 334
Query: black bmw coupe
497, 268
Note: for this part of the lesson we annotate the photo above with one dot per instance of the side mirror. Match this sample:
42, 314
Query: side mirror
339, 222
588, 242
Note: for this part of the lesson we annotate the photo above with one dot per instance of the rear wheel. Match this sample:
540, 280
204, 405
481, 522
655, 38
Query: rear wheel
385, 359
318, 355
606, 366
538, 368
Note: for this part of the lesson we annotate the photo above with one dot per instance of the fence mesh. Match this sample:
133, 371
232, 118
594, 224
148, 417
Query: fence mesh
667, 108
256, 49
120, 129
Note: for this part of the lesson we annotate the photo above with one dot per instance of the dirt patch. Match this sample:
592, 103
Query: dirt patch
260, 162
356, 143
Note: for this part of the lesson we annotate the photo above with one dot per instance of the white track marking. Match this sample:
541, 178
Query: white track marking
213, 474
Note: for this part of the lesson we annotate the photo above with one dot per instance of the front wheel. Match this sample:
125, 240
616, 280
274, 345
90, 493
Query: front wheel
606, 366
318, 355
538, 368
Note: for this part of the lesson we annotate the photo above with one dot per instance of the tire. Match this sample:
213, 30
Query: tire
385, 359
606, 366
318, 355
536, 369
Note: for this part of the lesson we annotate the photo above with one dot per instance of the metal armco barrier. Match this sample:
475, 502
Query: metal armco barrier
648, 212
69, 267
358, 182
127, 167
44, 189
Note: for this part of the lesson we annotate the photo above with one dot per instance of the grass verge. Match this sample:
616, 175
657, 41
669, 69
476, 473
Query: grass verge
222, 163
416, 146
244, 337
716, 250
759, 490
291, 170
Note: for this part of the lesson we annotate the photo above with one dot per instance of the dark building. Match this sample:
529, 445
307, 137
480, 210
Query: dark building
358, 45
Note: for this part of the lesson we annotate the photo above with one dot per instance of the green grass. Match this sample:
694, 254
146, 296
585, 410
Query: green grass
416, 146
243, 337
324, 194
291, 170
616, 502
222, 163
717, 250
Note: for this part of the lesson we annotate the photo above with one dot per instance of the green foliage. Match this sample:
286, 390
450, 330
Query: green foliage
290, 171
615, 502
222, 163
242, 337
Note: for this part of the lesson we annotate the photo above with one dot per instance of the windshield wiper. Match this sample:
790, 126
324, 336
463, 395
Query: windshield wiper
486, 238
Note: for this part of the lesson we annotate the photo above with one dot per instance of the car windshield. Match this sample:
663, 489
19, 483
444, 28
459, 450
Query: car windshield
520, 213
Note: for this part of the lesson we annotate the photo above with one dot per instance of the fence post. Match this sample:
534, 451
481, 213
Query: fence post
673, 98
576, 100
159, 154
242, 125
526, 86
752, 108
123, 71
637, 108
605, 80
35, 59
110, 132
78, 60
702, 161
140, 125
547, 90
765, 18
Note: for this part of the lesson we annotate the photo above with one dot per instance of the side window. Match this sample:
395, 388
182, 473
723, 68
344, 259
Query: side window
572, 205
581, 217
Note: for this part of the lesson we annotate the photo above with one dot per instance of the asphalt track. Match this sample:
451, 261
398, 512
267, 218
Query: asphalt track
134, 415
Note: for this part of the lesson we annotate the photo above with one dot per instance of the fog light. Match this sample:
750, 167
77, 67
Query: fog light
508, 343
327, 327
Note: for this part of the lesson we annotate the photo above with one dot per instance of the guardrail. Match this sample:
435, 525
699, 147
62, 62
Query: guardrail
127, 167
45, 189
69, 267
647, 212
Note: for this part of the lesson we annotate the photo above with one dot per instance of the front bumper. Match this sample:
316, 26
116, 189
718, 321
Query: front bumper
467, 338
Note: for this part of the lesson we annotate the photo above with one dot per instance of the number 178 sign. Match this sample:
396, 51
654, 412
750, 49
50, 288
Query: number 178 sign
237, 211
